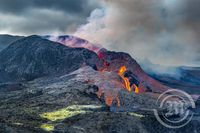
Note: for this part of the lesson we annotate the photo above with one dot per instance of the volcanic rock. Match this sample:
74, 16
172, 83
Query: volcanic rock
33, 57
131, 102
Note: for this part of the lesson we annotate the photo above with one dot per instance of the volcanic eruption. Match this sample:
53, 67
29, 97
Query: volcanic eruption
46, 80
117, 71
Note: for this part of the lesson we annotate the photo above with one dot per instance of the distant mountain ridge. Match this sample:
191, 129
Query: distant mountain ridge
184, 78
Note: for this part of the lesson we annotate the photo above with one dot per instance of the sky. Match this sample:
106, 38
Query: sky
165, 32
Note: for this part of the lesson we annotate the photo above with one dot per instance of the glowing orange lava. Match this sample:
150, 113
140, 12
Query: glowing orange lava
118, 101
136, 89
126, 80
109, 97
109, 100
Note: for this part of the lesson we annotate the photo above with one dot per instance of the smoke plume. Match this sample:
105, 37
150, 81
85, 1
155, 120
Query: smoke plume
165, 32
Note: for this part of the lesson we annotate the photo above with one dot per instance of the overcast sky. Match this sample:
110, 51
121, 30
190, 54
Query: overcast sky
164, 32
43, 16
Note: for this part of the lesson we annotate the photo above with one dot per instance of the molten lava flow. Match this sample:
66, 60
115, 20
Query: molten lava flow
108, 95
109, 100
136, 89
118, 101
126, 80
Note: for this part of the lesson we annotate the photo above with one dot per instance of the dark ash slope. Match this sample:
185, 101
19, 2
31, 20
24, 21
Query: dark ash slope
6, 40
33, 57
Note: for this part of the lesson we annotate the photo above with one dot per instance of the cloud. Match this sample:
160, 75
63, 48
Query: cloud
69, 6
39, 22
43, 17
163, 31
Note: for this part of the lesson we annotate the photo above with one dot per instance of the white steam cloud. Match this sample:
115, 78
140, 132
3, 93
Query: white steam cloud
162, 31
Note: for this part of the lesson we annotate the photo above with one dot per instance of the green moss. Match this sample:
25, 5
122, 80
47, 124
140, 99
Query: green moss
47, 127
68, 112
